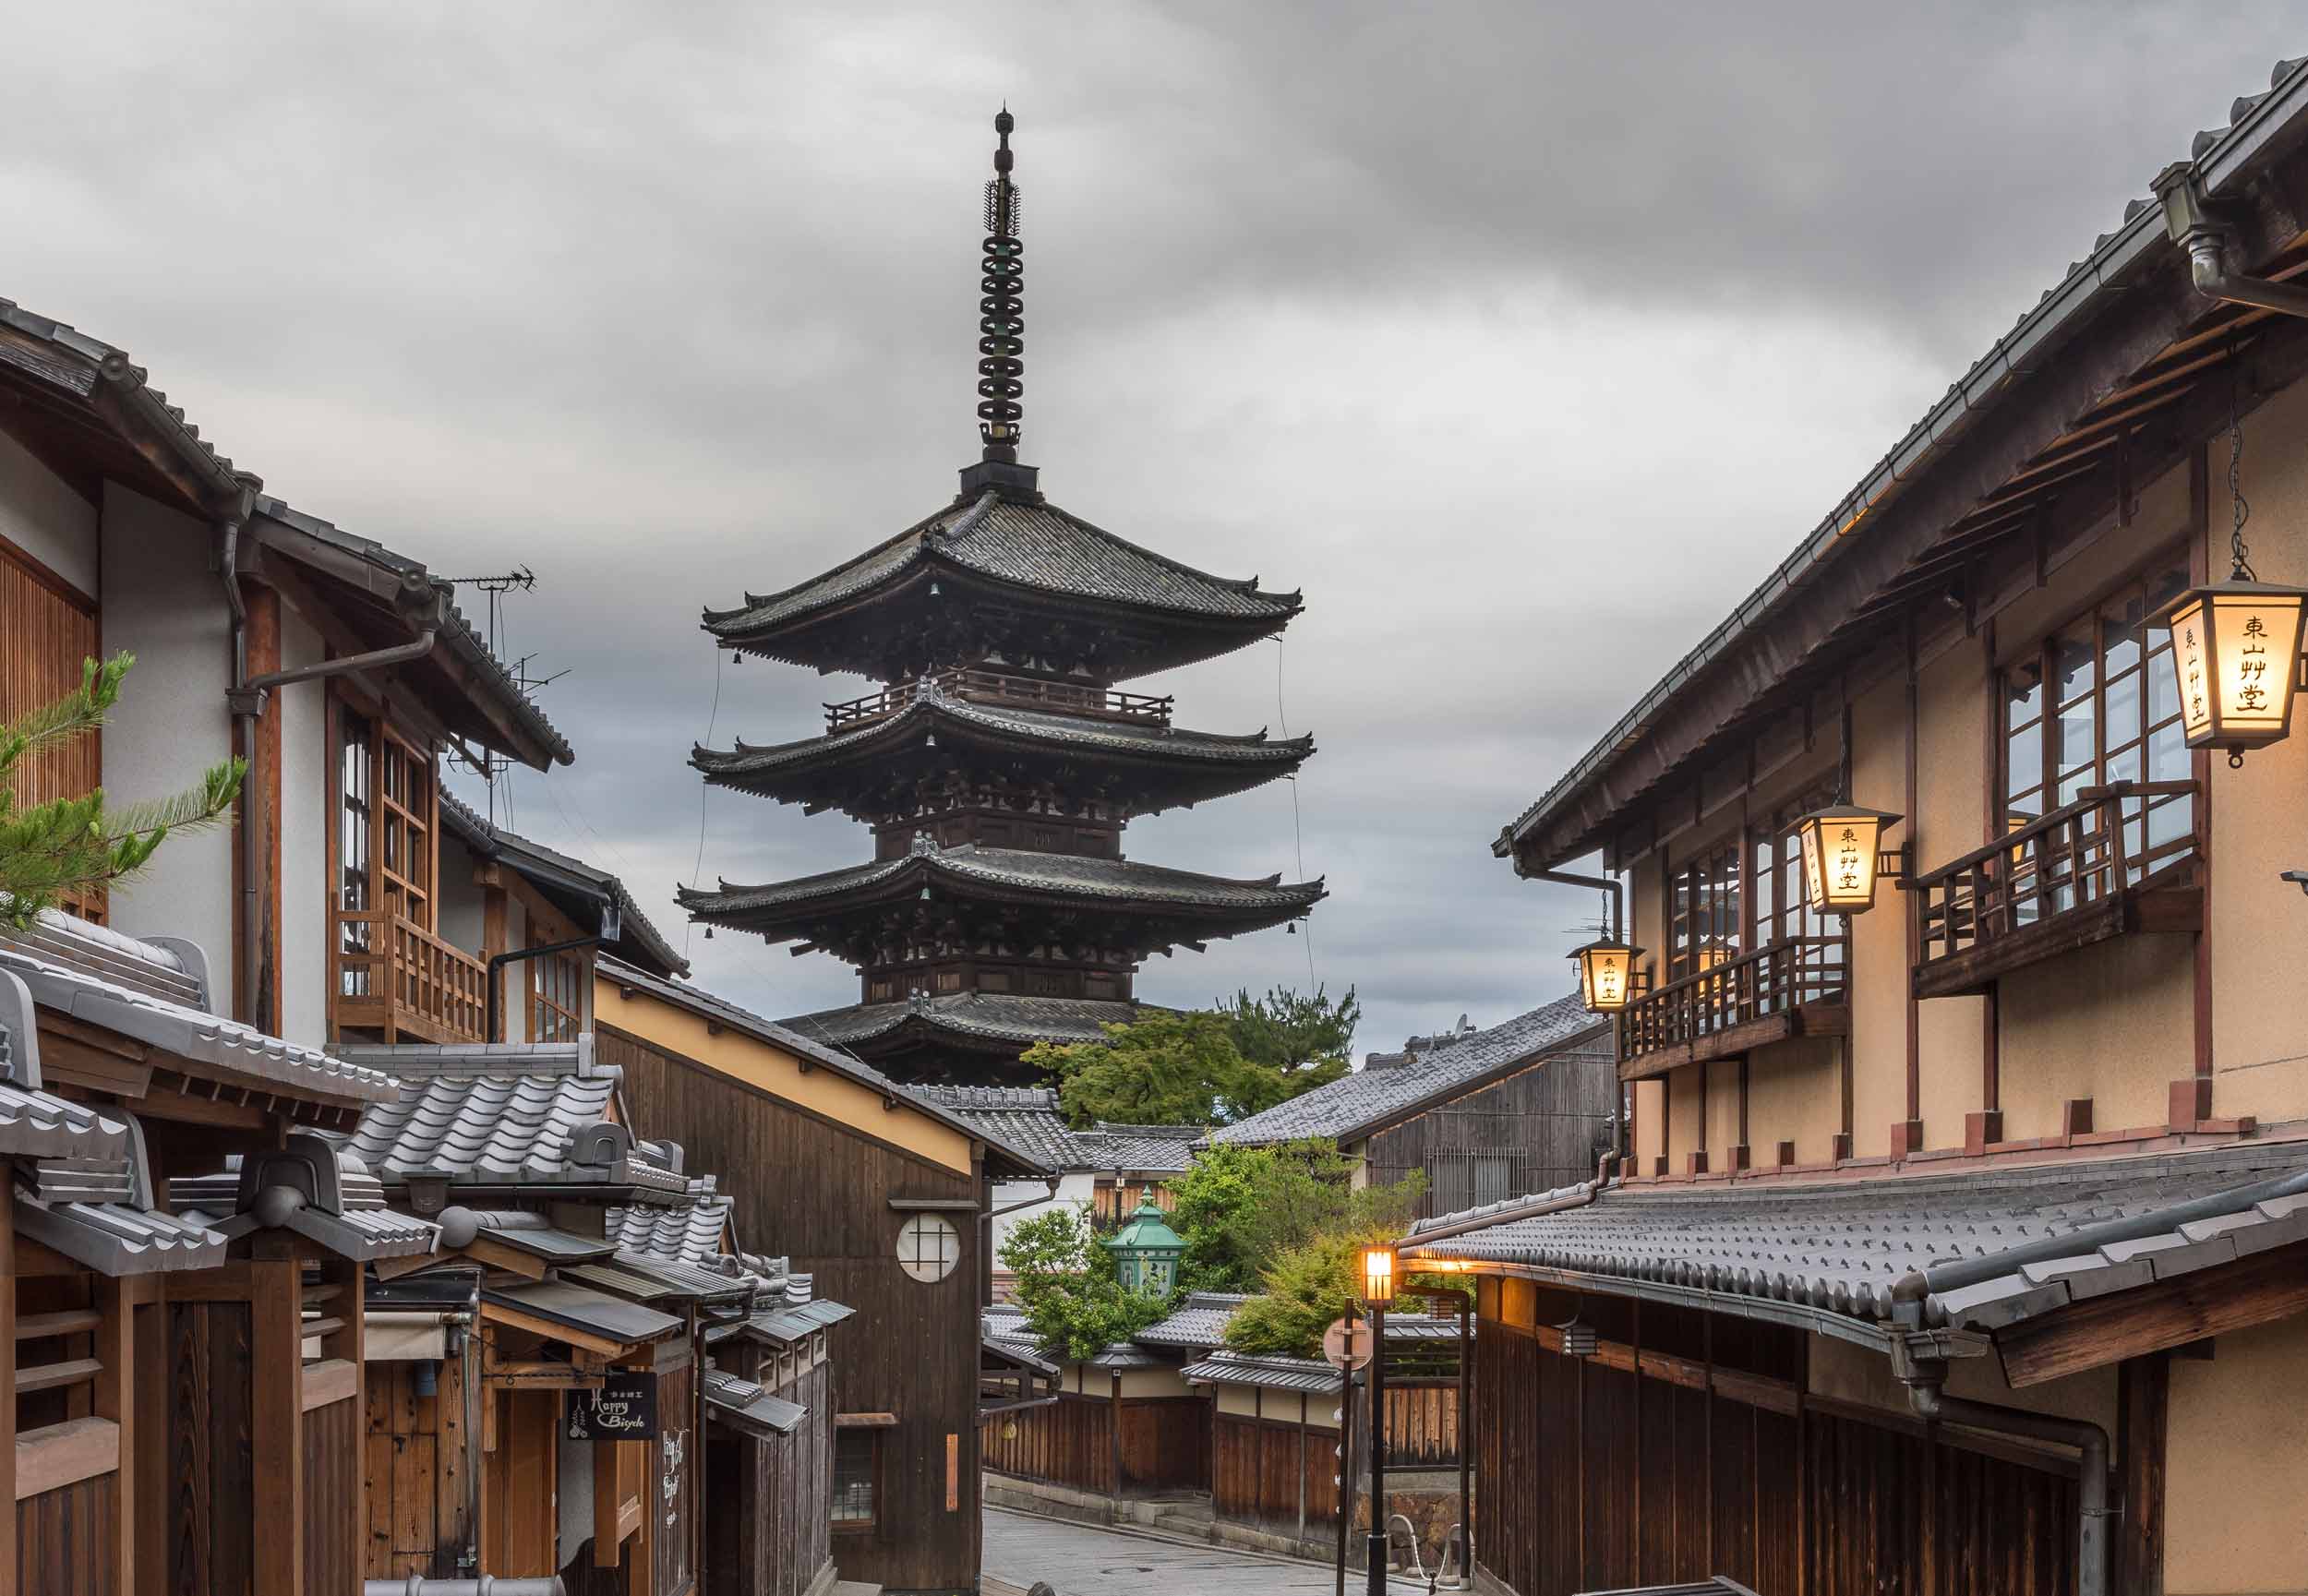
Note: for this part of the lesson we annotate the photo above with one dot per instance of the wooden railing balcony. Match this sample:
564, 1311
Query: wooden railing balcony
2121, 858
993, 687
393, 977
1793, 987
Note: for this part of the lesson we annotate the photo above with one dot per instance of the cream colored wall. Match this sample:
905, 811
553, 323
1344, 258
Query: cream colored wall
1722, 1110
2114, 1023
773, 1070
305, 821
2259, 922
1644, 929
1281, 1407
1687, 1103
45, 519
2236, 1466
1879, 938
1650, 1131
1163, 1382
1854, 1374
1951, 819
1794, 1093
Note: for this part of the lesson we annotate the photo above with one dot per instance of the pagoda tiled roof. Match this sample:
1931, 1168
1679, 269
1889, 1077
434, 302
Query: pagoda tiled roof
1234, 762
1034, 545
1019, 870
997, 1017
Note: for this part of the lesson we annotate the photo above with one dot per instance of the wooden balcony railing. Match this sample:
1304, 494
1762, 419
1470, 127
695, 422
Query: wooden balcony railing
993, 687
1794, 987
394, 977
2120, 858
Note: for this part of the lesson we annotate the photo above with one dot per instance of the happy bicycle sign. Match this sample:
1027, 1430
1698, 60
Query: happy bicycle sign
624, 1408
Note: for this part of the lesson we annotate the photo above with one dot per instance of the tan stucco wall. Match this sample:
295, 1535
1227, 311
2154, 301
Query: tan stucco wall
1952, 778
1281, 1407
2236, 1466
1879, 938
1644, 929
1686, 1101
1649, 1137
2114, 1023
1795, 1092
2259, 922
778, 1072
1722, 1110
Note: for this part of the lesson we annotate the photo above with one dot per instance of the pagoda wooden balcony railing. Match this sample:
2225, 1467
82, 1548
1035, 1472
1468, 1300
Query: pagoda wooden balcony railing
1795, 987
2119, 859
993, 687
395, 978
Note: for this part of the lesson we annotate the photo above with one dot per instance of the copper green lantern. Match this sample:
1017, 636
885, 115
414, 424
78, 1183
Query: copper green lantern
1147, 1251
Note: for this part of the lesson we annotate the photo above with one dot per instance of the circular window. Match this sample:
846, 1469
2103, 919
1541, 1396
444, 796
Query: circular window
929, 1247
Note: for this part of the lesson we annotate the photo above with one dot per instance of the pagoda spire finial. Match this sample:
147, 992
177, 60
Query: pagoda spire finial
1000, 309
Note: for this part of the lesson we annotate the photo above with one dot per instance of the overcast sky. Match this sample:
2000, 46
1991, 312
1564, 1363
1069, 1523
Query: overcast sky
1522, 337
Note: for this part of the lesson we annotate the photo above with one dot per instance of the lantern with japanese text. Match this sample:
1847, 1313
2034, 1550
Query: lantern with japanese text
1606, 974
1841, 845
2235, 647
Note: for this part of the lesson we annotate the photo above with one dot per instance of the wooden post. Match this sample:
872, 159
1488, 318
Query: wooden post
2143, 1389
276, 1376
7, 1380
1302, 1464
115, 1399
1113, 1427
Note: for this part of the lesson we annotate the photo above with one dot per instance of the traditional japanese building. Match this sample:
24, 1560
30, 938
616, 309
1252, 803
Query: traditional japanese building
1000, 763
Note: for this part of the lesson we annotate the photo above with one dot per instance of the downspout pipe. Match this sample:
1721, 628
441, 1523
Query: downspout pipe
2196, 226
612, 928
1925, 1380
1617, 891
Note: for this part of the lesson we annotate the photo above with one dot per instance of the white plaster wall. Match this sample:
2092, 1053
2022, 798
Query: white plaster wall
305, 817
47, 520
1077, 1189
458, 900
163, 602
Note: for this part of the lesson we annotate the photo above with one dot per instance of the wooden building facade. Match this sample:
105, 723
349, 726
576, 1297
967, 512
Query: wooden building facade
888, 1220
1953, 1224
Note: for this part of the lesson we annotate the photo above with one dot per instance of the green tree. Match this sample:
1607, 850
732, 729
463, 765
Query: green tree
1240, 1209
1305, 1042
74, 844
1308, 1286
1074, 1300
1206, 1065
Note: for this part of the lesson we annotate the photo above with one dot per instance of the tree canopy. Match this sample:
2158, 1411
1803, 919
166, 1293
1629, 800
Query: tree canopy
1240, 1209
75, 845
1204, 1066
1067, 1284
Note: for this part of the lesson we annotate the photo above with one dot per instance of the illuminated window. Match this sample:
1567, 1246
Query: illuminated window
929, 1247
1705, 912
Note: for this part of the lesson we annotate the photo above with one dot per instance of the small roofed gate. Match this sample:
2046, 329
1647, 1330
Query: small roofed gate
1165, 1443
1069, 1442
1712, 1460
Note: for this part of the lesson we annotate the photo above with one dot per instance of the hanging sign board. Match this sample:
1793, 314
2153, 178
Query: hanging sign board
624, 1408
1347, 1346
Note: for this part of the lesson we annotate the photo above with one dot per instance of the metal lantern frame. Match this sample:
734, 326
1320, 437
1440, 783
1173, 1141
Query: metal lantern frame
2236, 653
1606, 974
1377, 1276
1877, 864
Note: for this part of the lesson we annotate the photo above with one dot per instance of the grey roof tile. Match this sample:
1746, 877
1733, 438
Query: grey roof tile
993, 1017
1308, 1374
1841, 1246
688, 1232
549, 868
1377, 1094
1028, 1117
1199, 1323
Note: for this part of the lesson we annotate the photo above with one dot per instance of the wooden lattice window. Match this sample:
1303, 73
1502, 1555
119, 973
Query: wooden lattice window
557, 996
407, 817
857, 1478
1704, 912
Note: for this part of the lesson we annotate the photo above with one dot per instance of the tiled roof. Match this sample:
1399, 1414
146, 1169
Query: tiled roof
38, 1124
1273, 1373
115, 982
687, 1231
748, 1403
1377, 1094
801, 1037
1030, 1117
2254, 121
1002, 1329
1236, 762
1991, 1246
991, 1016
581, 1308
1199, 1324
548, 868
1032, 546
1062, 876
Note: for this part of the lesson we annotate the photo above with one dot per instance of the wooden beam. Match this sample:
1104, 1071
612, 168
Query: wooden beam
276, 1371
10, 1476
2142, 1387
2156, 1318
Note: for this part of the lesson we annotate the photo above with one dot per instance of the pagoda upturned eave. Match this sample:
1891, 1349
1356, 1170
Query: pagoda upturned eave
972, 874
1141, 767
1049, 575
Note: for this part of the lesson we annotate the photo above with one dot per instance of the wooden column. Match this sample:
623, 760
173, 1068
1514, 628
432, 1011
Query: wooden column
276, 1406
115, 1399
1114, 1429
2143, 1390
8, 1382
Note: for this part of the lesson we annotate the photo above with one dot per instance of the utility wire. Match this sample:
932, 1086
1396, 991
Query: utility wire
1298, 830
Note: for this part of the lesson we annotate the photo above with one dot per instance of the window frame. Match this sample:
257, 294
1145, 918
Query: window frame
870, 1437
1709, 888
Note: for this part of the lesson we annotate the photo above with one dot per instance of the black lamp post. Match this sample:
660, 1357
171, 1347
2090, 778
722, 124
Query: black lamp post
1377, 1291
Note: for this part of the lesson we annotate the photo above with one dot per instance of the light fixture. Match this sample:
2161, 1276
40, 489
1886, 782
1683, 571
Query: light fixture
1377, 1276
1579, 1338
2235, 644
1841, 857
1606, 974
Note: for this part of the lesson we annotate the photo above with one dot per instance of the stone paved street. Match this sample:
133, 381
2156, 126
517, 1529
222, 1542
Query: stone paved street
1081, 1560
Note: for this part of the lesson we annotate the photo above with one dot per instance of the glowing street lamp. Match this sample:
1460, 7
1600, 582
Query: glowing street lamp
1377, 1276
1841, 857
1606, 974
2235, 647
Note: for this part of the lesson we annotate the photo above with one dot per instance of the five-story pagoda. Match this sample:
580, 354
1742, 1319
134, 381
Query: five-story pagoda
1000, 764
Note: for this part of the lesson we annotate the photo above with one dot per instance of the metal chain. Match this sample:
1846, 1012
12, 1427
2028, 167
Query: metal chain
2240, 550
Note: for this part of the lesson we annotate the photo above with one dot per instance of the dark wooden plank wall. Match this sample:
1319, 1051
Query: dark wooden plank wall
211, 1543
415, 1460
768, 1525
1596, 1477
1421, 1425
819, 1192
62, 1548
1550, 1113
1256, 1465
672, 1493
331, 1442
1165, 1443
1069, 1442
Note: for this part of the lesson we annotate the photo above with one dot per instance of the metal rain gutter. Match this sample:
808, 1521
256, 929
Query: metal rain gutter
2214, 165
